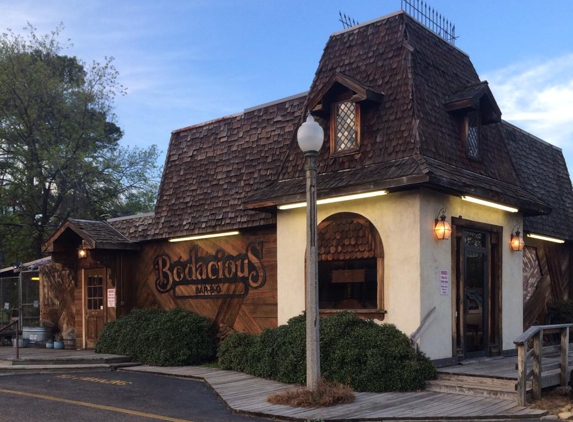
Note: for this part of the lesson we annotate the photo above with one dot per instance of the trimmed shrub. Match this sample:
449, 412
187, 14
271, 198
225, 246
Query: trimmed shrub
359, 353
163, 338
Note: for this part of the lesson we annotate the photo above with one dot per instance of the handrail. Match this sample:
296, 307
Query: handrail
415, 336
17, 333
531, 331
521, 343
8, 326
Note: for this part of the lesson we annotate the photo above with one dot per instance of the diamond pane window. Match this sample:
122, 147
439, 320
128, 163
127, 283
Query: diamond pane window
473, 135
346, 139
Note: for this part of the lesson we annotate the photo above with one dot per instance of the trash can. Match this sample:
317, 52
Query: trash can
36, 334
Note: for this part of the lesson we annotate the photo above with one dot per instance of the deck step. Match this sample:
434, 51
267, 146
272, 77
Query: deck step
68, 361
473, 379
52, 369
476, 387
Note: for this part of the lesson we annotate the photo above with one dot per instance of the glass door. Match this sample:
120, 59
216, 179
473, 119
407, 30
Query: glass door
475, 293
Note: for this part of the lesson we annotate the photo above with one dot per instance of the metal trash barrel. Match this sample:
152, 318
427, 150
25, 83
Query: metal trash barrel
36, 334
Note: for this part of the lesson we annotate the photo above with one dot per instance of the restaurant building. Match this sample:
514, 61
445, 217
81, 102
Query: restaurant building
415, 147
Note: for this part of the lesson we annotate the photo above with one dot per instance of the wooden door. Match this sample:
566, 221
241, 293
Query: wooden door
95, 283
478, 292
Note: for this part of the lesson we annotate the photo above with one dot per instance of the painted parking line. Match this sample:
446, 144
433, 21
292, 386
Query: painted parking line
94, 379
95, 406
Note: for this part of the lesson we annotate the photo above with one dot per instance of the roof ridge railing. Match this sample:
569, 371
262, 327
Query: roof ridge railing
430, 18
536, 333
347, 21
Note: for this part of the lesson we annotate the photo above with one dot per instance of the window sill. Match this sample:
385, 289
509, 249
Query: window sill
374, 312
344, 153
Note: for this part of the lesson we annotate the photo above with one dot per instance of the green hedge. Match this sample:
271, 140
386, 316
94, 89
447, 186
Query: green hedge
561, 312
359, 353
163, 338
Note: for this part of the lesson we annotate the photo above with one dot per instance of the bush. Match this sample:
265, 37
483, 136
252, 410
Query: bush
163, 338
359, 353
561, 312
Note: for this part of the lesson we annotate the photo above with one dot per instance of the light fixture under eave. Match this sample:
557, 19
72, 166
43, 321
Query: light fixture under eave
442, 229
82, 253
489, 203
203, 236
547, 238
335, 199
516, 242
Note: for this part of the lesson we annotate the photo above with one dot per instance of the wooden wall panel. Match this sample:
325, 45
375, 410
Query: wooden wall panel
251, 313
551, 282
57, 297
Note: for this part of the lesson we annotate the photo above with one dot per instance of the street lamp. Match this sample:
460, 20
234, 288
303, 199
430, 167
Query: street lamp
310, 137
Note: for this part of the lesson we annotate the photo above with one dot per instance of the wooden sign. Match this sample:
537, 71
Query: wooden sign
221, 275
349, 276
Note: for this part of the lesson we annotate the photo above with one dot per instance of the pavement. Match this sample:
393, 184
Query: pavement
245, 394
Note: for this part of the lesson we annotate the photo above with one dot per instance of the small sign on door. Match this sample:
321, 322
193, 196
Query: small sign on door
111, 298
444, 282
6, 305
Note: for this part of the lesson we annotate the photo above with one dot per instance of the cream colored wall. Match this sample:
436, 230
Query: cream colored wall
436, 341
395, 216
413, 259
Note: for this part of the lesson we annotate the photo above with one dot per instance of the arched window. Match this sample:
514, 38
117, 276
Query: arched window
350, 264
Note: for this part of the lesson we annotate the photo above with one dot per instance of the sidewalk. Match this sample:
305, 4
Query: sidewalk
247, 394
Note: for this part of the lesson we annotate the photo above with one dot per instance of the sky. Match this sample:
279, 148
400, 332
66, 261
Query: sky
185, 62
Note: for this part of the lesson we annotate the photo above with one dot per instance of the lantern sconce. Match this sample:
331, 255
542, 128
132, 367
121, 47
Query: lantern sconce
82, 253
442, 228
516, 242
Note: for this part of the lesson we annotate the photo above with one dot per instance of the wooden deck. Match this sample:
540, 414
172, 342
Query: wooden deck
247, 394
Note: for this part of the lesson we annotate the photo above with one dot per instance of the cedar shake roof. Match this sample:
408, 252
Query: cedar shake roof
210, 168
99, 231
412, 85
134, 227
410, 137
93, 234
541, 167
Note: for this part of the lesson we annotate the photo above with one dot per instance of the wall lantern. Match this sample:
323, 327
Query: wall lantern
82, 253
516, 242
442, 229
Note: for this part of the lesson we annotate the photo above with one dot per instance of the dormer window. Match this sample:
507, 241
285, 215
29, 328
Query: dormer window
473, 106
341, 100
345, 127
471, 133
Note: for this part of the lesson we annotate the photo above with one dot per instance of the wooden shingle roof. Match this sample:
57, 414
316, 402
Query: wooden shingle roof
90, 234
419, 73
223, 174
210, 168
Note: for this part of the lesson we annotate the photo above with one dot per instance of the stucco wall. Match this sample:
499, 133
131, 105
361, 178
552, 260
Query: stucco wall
437, 255
413, 259
392, 215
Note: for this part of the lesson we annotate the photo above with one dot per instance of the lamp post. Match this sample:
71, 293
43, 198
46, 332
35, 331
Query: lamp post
310, 136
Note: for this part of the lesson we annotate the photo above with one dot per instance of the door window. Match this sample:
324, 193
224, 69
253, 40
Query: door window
95, 292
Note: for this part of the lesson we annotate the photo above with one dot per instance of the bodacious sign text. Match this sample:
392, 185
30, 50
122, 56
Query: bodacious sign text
215, 276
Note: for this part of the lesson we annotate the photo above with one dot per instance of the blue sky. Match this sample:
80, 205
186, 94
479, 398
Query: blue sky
184, 62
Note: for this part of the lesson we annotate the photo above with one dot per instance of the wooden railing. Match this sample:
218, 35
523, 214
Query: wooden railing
536, 354
5, 328
415, 336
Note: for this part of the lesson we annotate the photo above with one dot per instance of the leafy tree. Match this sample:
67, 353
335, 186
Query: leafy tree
59, 144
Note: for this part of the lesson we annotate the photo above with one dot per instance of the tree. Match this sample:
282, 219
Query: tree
59, 144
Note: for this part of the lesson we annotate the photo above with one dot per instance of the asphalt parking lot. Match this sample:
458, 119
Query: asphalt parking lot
111, 396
